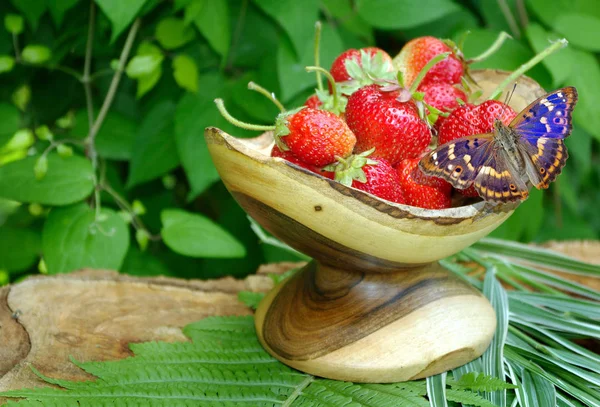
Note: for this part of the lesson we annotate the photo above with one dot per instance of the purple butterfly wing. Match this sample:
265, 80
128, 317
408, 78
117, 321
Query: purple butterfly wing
549, 116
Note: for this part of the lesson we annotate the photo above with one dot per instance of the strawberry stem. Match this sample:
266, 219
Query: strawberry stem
334, 91
492, 49
270, 95
527, 66
317, 47
426, 68
239, 123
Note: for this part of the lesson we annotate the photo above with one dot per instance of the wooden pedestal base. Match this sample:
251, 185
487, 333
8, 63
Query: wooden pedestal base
375, 327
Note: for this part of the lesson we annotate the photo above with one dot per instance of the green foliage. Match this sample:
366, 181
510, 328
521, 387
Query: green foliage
148, 112
227, 366
479, 382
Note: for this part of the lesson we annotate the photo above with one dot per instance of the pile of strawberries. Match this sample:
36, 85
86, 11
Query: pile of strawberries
378, 119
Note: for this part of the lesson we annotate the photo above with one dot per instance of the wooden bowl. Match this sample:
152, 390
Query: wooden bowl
374, 305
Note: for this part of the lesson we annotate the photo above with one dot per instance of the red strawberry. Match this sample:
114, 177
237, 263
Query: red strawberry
380, 121
289, 156
417, 52
421, 190
313, 102
472, 119
316, 137
338, 67
442, 96
373, 175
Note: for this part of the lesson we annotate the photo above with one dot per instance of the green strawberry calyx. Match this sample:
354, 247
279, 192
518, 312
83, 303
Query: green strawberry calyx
371, 69
347, 170
282, 129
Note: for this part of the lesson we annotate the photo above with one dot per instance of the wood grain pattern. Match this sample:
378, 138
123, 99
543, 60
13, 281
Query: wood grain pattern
323, 309
375, 327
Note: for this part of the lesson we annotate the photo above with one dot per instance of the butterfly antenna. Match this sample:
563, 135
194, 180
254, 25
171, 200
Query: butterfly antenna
507, 99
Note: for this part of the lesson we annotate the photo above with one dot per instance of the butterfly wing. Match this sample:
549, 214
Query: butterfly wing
548, 116
498, 181
544, 160
460, 160
474, 161
542, 126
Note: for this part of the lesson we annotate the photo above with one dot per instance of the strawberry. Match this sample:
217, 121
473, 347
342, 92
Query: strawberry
316, 137
421, 190
417, 52
338, 67
289, 156
313, 102
470, 119
373, 175
382, 122
442, 96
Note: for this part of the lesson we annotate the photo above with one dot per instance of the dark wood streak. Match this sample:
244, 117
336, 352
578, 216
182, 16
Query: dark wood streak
312, 243
322, 309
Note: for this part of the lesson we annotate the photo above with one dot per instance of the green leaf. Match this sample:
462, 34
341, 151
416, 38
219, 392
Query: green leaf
173, 33
73, 239
539, 391
467, 398
185, 72
142, 65
40, 168
155, 152
586, 308
21, 97
581, 30
195, 235
120, 13
147, 82
225, 362
194, 113
297, 20
68, 180
211, 17
493, 358
31, 9
58, 9
13, 23
586, 78
7, 63
559, 63
293, 78
140, 263
346, 15
115, 137
538, 255
36, 54
477, 381
250, 299
436, 390
399, 14
10, 120
20, 248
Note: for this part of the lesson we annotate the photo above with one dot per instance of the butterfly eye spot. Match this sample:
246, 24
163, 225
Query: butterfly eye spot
458, 169
542, 170
512, 187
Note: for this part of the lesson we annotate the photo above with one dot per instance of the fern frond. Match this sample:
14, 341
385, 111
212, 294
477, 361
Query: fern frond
467, 397
479, 382
224, 365
250, 298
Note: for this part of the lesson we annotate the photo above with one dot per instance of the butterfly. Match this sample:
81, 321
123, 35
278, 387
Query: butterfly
502, 165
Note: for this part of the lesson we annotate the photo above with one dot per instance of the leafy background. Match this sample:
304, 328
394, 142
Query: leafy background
139, 193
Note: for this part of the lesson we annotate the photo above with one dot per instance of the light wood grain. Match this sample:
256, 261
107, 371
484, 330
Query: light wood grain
375, 327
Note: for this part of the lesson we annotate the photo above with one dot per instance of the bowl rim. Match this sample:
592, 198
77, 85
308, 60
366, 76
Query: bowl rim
474, 211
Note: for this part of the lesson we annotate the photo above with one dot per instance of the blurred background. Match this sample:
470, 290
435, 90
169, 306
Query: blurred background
164, 210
